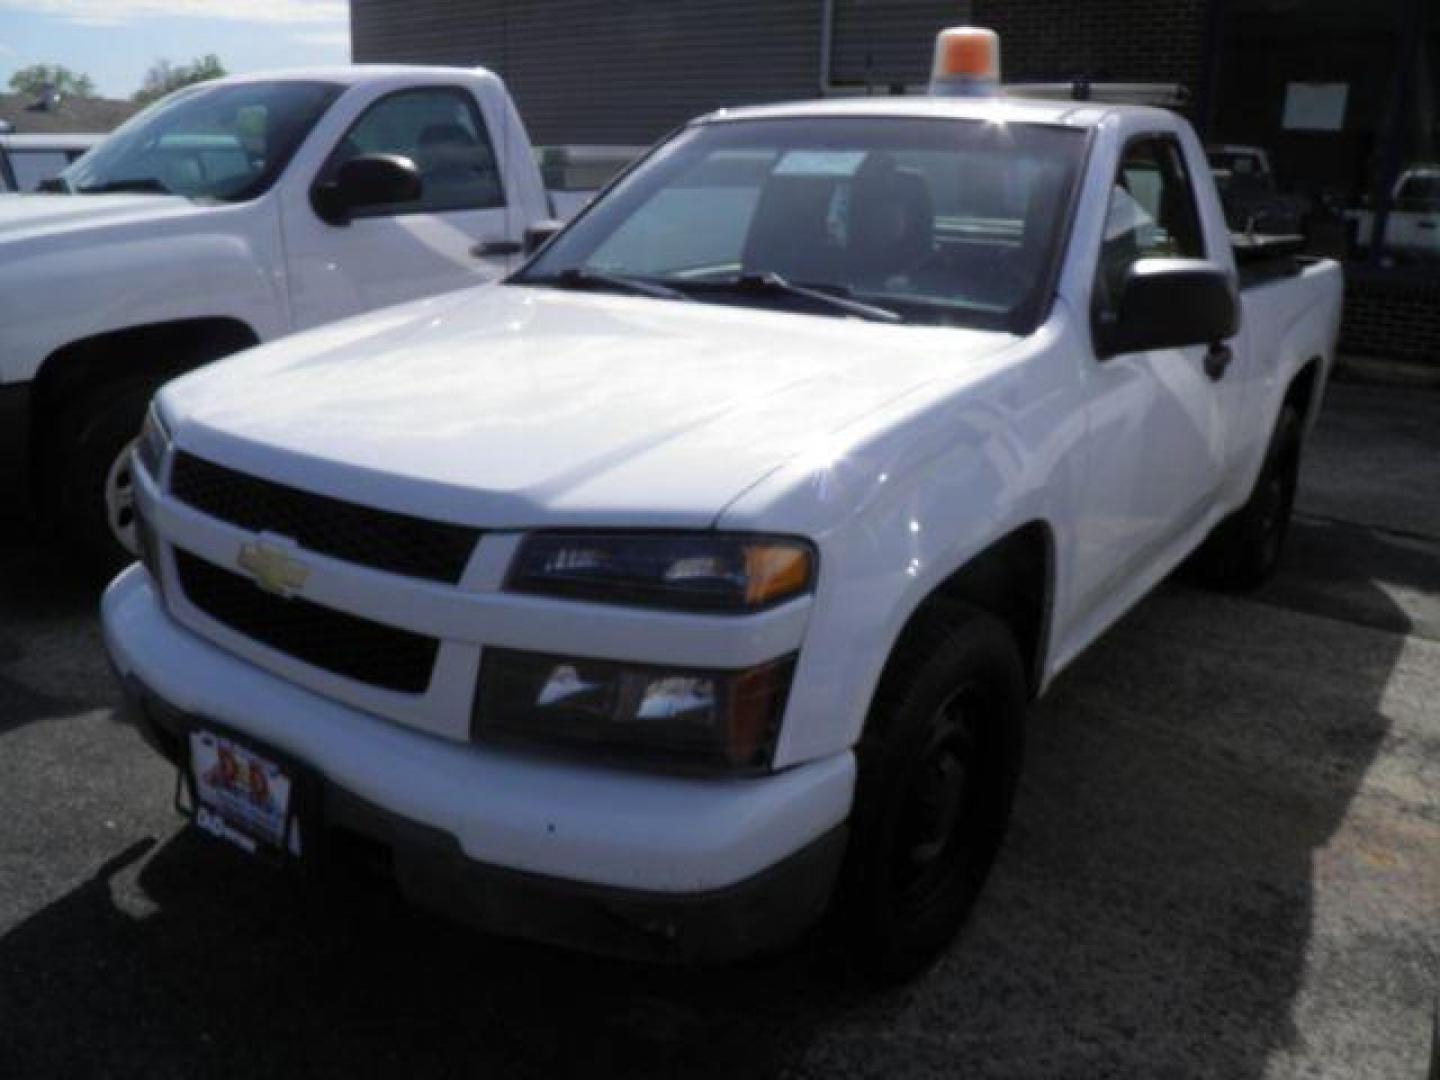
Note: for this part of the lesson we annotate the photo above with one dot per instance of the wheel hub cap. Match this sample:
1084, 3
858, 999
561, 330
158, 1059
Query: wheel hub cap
120, 500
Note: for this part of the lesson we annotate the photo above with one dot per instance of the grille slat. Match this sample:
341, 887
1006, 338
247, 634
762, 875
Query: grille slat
344, 644
381, 539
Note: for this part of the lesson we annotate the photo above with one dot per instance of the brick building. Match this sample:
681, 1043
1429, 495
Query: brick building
1342, 96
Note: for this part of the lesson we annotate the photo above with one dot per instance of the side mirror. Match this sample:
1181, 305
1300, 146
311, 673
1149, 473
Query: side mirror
538, 234
1169, 303
365, 181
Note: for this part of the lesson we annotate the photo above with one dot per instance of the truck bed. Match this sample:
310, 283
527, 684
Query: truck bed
1262, 258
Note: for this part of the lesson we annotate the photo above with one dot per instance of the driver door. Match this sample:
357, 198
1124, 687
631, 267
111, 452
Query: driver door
457, 234
1156, 422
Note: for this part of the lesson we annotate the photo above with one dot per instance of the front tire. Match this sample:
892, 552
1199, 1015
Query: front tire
94, 485
938, 765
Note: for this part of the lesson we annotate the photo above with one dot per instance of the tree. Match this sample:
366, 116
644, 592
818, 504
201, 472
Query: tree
164, 76
32, 80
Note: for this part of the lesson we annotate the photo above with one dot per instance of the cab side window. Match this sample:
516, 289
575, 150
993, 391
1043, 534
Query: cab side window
1152, 213
441, 130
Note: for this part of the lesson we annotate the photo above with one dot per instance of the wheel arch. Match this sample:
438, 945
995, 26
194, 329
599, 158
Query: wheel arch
1304, 389
157, 351
1012, 579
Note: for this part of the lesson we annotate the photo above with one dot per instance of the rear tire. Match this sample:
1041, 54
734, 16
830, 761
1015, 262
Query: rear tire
92, 478
938, 765
1245, 549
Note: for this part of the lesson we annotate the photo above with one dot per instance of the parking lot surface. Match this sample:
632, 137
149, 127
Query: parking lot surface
1225, 862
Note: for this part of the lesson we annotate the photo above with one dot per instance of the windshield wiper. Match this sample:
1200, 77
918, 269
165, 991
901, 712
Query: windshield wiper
833, 296
578, 277
139, 184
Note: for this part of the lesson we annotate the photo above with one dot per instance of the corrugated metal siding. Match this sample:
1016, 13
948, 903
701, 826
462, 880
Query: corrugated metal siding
627, 71
888, 42
624, 71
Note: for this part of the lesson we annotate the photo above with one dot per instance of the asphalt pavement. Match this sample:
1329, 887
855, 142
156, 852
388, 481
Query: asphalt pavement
1225, 862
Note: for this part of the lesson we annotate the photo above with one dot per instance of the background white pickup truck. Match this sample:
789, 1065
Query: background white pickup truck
1412, 230
229, 214
694, 580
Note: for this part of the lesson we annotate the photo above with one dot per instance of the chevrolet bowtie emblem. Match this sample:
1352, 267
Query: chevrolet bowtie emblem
273, 570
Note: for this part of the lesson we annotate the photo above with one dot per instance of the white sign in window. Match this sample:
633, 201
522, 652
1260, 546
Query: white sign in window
1313, 106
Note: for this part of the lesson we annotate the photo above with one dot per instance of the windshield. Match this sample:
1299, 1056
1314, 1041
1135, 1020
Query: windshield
222, 142
939, 221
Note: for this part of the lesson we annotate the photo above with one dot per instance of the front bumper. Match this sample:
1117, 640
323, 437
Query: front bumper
612, 861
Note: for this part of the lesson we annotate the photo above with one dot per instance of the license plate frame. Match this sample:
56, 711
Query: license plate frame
274, 834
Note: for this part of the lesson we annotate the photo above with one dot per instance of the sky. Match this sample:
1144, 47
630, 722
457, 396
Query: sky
115, 41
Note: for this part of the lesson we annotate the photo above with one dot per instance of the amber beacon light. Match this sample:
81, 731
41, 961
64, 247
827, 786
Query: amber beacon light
967, 62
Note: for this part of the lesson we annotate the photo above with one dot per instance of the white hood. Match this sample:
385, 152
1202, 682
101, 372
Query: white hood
25, 217
517, 407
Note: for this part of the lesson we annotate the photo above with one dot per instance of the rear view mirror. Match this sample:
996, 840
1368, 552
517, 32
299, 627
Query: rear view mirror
1169, 303
365, 181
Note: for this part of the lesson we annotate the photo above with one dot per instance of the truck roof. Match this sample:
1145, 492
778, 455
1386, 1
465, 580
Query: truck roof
1080, 114
60, 140
351, 74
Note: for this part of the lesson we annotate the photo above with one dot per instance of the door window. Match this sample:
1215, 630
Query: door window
442, 132
1152, 213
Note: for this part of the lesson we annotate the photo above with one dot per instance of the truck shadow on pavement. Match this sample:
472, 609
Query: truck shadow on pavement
1150, 914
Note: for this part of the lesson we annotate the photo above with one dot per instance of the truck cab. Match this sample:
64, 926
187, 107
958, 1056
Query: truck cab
693, 581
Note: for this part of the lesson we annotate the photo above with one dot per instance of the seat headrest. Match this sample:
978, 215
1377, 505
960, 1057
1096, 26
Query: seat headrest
789, 233
892, 219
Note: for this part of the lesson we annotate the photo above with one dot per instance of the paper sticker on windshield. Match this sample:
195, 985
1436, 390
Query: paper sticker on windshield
820, 163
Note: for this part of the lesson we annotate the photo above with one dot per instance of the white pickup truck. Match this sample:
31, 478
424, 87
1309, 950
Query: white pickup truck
694, 580
226, 215
1412, 229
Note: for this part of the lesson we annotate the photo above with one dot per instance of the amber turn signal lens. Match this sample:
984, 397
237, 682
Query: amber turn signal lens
775, 571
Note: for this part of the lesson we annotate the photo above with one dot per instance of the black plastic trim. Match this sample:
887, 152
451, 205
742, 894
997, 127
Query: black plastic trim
352, 532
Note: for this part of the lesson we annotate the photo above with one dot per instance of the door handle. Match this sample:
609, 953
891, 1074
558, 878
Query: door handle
1217, 359
487, 248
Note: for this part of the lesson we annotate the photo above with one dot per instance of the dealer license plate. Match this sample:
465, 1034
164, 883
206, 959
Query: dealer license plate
241, 796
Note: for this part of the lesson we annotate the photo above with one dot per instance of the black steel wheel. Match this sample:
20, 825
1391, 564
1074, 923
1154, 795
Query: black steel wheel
938, 766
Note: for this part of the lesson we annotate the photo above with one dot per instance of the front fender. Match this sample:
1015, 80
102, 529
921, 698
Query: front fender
66, 288
934, 485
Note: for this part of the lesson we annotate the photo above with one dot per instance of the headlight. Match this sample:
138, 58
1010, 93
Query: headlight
154, 441
713, 572
696, 719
